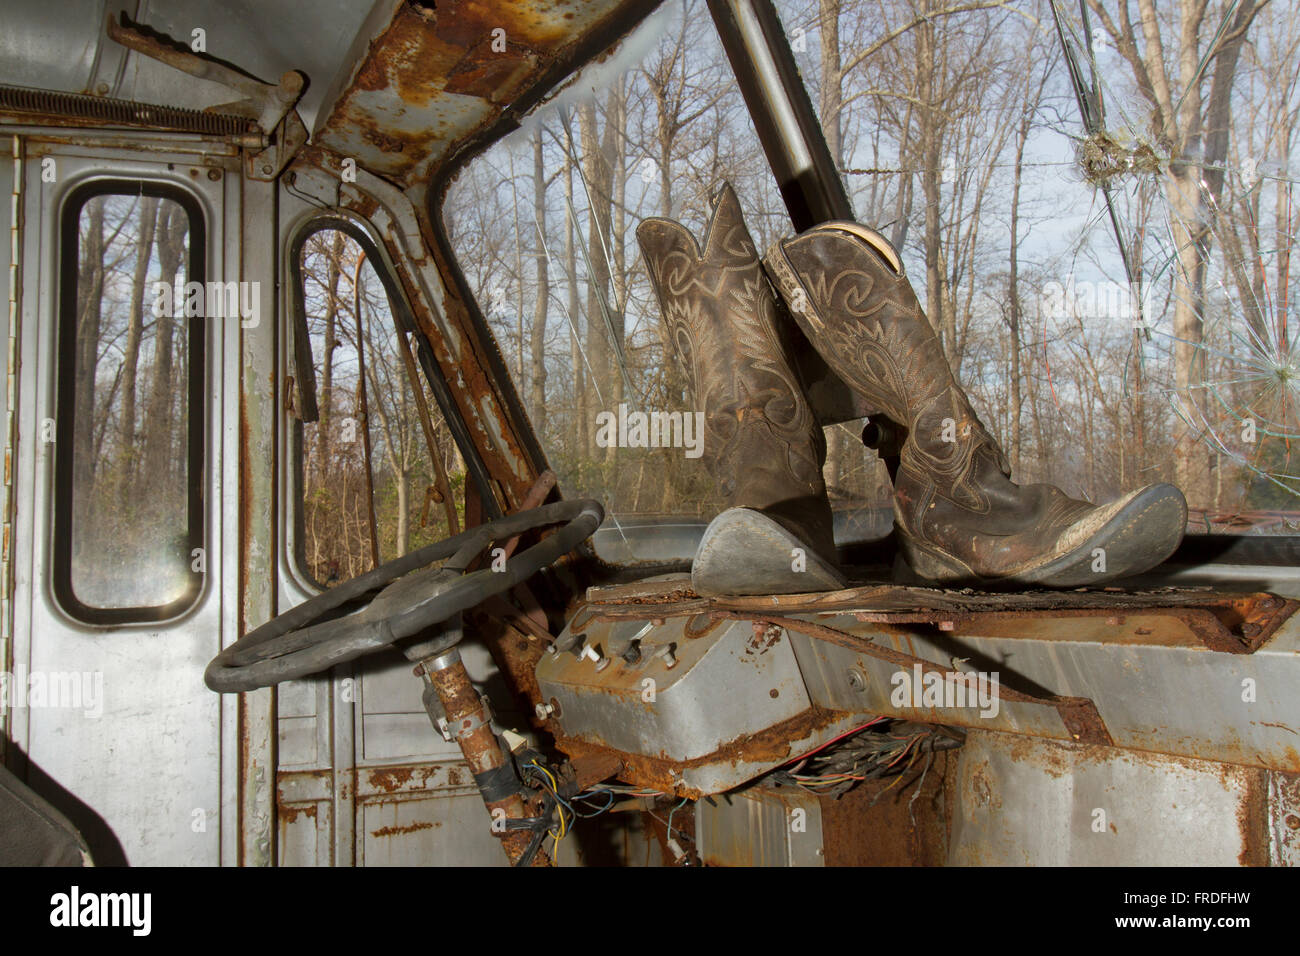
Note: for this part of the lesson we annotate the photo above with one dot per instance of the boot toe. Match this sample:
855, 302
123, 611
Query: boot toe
1125, 537
744, 551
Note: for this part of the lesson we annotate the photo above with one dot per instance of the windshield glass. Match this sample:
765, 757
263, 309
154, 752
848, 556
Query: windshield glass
1110, 282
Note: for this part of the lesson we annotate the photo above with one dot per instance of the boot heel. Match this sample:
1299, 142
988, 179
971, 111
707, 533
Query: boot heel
926, 567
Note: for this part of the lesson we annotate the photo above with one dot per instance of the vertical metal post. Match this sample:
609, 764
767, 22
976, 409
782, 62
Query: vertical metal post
783, 114
10, 405
257, 718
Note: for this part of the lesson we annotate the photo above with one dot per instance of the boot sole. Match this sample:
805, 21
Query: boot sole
1142, 530
743, 551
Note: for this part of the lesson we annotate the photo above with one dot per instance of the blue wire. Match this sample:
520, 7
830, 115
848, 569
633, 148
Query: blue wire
609, 802
670, 816
555, 793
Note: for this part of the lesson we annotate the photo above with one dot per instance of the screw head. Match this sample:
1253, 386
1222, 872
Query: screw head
857, 680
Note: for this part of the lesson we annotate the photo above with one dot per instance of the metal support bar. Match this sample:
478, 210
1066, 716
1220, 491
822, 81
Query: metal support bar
783, 114
266, 103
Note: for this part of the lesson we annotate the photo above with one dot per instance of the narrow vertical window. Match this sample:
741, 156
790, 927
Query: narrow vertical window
129, 422
379, 473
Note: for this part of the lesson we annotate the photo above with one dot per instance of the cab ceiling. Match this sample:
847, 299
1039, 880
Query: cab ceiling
436, 76
394, 85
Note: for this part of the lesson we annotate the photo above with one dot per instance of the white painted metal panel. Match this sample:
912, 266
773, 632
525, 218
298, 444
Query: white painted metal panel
143, 779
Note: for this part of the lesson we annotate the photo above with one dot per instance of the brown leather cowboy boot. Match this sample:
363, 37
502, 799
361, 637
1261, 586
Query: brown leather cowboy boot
764, 447
959, 517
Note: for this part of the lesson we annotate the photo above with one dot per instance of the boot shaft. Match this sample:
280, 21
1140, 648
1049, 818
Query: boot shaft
762, 441
847, 289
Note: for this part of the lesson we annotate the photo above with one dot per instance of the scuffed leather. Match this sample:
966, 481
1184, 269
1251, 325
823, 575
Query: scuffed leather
762, 442
954, 499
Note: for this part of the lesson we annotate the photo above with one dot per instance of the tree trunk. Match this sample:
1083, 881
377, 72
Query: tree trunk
618, 227
90, 294
598, 173
931, 141
582, 435
1013, 305
170, 237
537, 378
135, 330
325, 401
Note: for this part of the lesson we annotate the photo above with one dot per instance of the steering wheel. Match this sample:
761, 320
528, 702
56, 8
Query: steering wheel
390, 603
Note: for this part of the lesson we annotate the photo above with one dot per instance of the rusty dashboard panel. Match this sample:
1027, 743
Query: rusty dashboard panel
1220, 621
693, 694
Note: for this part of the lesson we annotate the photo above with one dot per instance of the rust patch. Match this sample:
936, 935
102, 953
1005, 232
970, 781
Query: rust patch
524, 22
874, 825
411, 57
390, 779
765, 637
436, 77
411, 778
1252, 820
1084, 724
408, 828
661, 773
491, 75
290, 814
386, 142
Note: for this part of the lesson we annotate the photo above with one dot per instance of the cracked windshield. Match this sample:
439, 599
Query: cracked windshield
1098, 228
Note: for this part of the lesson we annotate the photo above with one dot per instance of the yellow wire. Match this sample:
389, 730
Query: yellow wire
554, 785
555, 788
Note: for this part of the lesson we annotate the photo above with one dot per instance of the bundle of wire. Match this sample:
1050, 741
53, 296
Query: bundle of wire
878, 749
589, 803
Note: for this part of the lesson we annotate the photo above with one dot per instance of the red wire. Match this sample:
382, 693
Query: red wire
903, 754
847, 733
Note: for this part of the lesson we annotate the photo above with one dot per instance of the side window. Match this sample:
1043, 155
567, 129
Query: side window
129, 425
378, 473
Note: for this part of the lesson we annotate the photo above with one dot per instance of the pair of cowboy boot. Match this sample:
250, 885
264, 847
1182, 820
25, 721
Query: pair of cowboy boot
959, 519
